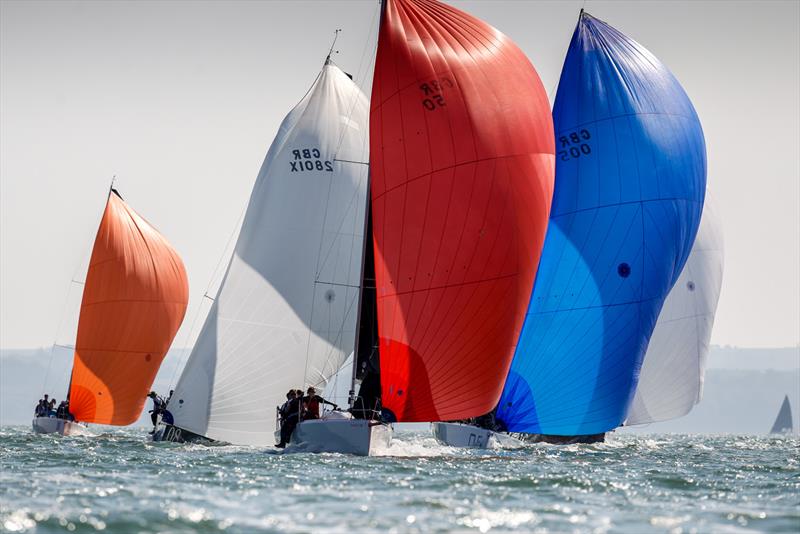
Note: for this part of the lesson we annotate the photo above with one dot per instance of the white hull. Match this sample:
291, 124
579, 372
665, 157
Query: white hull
460, 435
53, 425
471, 437
345, 435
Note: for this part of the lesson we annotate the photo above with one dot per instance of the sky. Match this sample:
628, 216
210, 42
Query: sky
180, 100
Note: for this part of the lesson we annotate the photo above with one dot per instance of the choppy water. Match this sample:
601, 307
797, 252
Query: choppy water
120, 483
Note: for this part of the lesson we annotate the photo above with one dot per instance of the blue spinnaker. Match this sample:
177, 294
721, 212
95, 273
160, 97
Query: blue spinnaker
630, 184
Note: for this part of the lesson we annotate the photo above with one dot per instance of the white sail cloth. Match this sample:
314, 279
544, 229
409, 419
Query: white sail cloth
671, 378
286, 312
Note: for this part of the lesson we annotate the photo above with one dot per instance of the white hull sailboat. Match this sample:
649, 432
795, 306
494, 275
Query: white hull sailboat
134, 300
671, 379
54, 425
286, 314
422, 268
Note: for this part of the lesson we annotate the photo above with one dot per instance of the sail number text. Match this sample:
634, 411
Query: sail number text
308, 159
574, 145
432, 92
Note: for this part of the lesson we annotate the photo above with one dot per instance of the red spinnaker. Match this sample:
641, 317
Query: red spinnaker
462, 162
134, 300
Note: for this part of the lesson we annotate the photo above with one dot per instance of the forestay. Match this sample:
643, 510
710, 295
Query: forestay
671, 380
134, 300
285, 314
630, 182
462, 175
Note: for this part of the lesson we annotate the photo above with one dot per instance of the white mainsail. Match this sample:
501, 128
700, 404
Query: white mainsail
286, 311
671, 378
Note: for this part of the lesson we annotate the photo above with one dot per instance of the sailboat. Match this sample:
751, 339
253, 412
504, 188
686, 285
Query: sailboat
454, 214
462, 162
134, 300
672, 375
286, 312
671, 378
783, 422
629, 191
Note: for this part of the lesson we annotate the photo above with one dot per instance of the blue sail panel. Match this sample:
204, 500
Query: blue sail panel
630, 184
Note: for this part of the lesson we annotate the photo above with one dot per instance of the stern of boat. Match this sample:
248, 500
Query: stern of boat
339, 432
53, 425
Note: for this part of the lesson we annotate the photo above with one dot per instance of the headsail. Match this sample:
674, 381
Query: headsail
630, 183
671, 380
285, 314
783, 423
462, 173
134, 300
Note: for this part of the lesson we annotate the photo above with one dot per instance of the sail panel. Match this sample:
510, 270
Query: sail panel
783, 422
671, 379
630, 183
462, 160
134, 300
285, 314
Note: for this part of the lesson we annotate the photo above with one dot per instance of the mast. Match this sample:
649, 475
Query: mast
351, 394
367, 214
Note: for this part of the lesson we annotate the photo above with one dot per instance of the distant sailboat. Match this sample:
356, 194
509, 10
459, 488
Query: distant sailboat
672, 375
629, 190
783, 422
134, 300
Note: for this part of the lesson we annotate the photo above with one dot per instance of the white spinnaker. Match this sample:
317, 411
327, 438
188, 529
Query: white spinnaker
286, 311
671, 378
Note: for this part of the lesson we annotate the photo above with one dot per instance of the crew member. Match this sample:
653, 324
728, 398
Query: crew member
158, 407
311, 404
290, 415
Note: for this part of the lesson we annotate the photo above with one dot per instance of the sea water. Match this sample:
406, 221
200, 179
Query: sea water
119, 482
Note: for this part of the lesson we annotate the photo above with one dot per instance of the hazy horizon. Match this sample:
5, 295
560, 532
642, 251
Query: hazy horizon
743, 391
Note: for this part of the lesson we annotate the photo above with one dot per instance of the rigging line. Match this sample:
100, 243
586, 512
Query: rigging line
351, 161
73, 280
552, 90
345, 219
337, 284
338, 338
358, 73
335, 36
187, 335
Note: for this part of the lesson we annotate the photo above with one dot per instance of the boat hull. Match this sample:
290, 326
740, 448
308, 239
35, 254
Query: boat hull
53, 425
174, 434
346, 436
461, 435
470, 436
561, 440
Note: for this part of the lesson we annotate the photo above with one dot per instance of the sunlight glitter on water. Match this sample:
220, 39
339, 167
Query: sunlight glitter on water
119, 482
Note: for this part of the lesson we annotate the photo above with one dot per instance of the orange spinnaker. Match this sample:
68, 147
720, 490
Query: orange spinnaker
134, 301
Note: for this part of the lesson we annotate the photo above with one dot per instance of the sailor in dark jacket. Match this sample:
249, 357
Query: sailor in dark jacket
158, 407
290, 415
